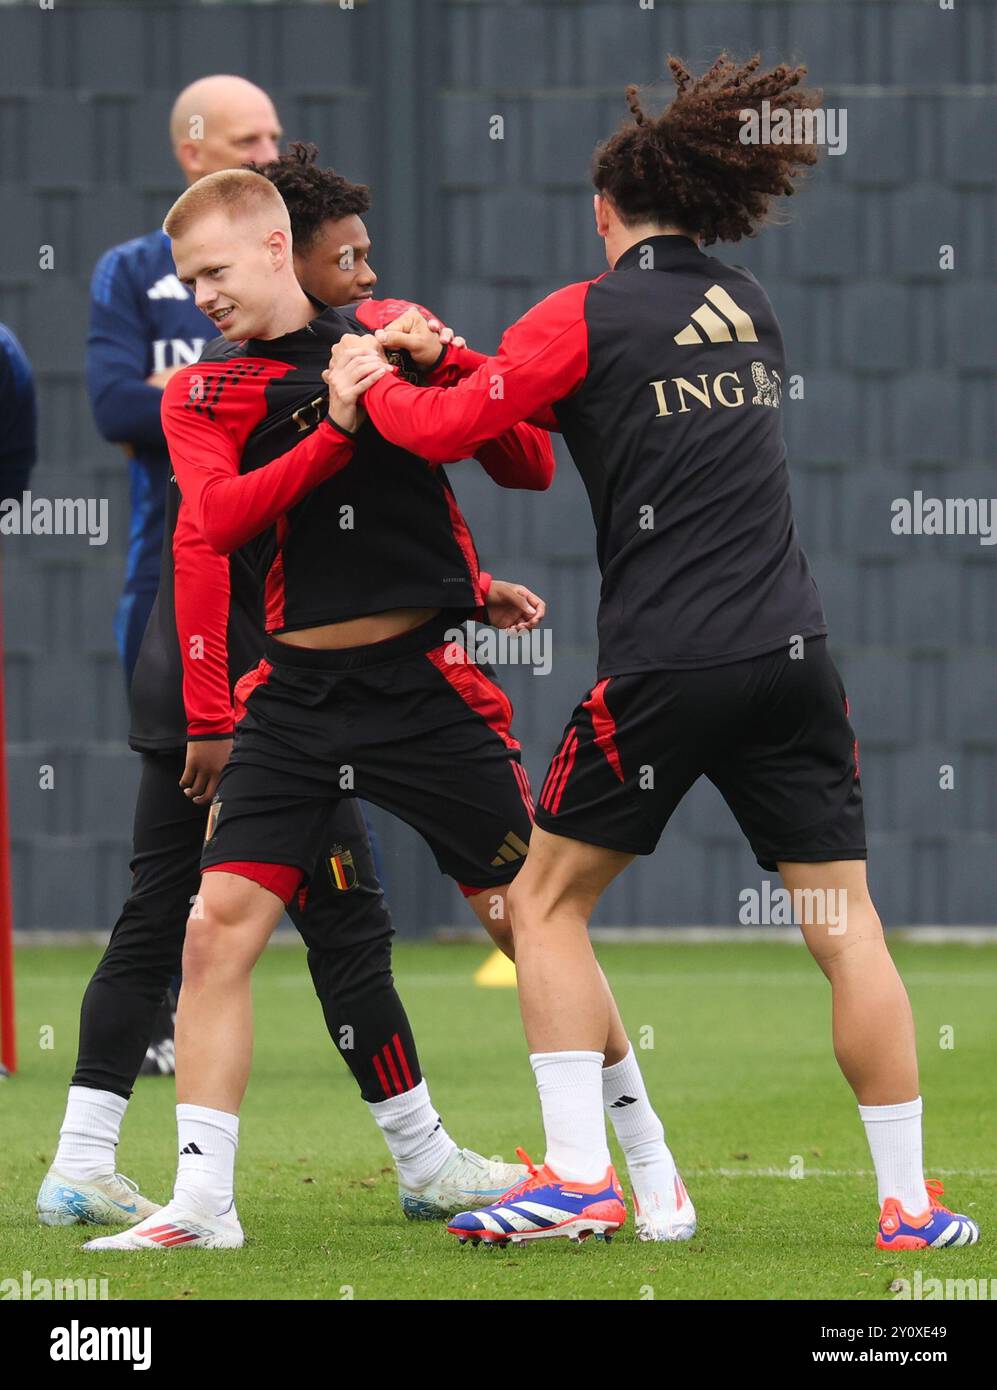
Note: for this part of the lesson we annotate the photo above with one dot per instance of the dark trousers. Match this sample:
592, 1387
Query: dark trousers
347, 931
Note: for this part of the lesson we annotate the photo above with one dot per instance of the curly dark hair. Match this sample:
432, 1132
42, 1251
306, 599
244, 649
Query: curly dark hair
313, 196
688, 167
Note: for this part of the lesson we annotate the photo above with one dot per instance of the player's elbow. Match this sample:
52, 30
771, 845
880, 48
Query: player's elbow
113, 423
540, 480
222, 538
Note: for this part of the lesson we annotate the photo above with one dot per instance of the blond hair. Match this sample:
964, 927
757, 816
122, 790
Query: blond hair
236, 192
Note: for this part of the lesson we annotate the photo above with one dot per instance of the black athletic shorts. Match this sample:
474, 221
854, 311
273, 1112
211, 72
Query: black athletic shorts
409, 724
771, 733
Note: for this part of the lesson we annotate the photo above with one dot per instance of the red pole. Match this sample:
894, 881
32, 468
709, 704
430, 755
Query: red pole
8, 1033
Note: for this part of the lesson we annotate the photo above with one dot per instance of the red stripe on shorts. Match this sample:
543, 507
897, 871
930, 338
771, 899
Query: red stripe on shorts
570, 751
475, 689
554, 769
604, 725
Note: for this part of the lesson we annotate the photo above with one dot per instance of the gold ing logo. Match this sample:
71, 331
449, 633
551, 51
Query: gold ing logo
673, 394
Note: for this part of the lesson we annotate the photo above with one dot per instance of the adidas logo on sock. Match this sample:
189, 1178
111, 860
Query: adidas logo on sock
623, 1100
191, 1149
708, 326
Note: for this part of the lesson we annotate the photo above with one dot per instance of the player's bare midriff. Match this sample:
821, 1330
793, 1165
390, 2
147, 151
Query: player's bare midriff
359, 632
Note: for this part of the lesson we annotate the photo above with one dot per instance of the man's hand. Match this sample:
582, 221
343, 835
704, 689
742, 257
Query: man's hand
206, 759
419, 336
162, 377
514, 606
354, 364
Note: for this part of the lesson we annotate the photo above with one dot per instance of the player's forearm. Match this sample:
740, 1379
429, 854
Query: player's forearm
454, 364
201, 599
521, 458
439, 424
230, 509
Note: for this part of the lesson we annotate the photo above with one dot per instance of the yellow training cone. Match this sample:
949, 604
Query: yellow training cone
497, 972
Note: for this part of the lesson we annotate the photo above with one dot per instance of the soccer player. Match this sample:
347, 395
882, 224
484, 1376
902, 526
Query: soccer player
143, 327
345, 923
665, 377
18, 418
366, 562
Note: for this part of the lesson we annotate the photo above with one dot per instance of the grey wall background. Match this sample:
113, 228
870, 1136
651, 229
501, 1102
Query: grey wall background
899, 361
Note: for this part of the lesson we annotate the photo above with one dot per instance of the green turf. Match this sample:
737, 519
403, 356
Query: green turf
740, 1065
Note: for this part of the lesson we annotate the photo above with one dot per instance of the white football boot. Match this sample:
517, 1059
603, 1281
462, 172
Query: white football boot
465, 1180
172, 1226
110, 1201
666, 1215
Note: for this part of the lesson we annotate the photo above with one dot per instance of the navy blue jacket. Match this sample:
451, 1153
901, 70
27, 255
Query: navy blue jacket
18, 417
141, 321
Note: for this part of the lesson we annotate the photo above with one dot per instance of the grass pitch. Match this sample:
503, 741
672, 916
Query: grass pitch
739, 1063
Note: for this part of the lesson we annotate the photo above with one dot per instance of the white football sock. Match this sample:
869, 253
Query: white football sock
89, 1134
570, 1089
640, 1132
894, 1133
208, 1140
414, 1133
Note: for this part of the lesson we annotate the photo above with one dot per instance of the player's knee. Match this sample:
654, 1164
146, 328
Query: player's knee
223, 932
849, 941
534, 899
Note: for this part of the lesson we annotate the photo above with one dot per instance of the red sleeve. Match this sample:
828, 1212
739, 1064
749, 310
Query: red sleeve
458, 362
542, 359
201, 585
521, 457
227, 507
454, 364
378, 313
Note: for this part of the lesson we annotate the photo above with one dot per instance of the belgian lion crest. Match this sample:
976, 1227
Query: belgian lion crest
768, 390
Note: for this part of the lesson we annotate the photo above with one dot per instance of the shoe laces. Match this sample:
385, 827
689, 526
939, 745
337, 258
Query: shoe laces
935, 1190
126, 1182
533, 1178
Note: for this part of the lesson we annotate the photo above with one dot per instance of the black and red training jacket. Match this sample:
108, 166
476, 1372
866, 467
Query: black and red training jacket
667, 378
286, 522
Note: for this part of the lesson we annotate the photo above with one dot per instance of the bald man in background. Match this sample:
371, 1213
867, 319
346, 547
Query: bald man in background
144, 327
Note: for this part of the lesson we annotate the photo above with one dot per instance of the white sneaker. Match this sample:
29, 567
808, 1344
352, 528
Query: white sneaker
110, 1201
665, 1215
465, 1180
175, 1225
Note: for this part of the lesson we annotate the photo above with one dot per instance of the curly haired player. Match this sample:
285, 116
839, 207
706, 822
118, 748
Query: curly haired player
663, 377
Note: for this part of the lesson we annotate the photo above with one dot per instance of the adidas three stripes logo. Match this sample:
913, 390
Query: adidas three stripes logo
709, 326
